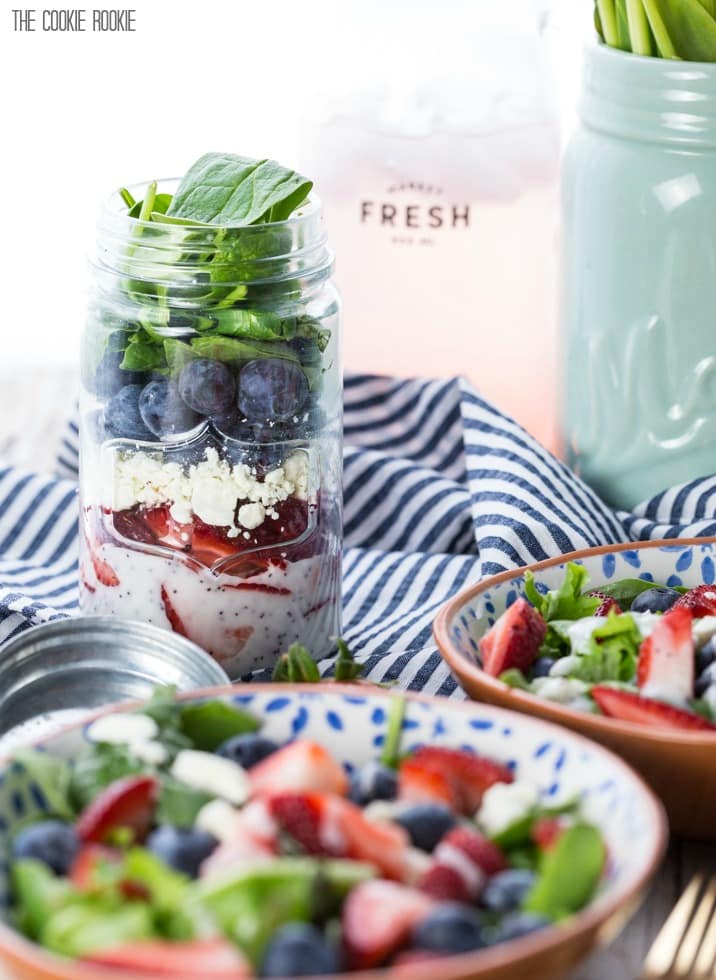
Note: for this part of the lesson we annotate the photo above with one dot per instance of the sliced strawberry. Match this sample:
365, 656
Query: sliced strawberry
131, 524
546, 831
106, 575
166, 530
647, 711
175, 620
128, 802
302, 815
700, 601
470, 775
327, 824
514, 640
378, 917
300, 766
92, 859
666, 658
418, 783
483, 853
210, 544
443, 882
158, 957
607, 605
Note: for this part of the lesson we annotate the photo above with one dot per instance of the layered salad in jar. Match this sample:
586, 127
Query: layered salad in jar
210, 442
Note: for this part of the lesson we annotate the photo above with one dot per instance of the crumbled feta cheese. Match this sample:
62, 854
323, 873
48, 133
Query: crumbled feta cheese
564, 666
123, 729
382, 811
151, 752
503, 804
218, 818
211, 489
560, 689
703, 629
212, 774
251, 515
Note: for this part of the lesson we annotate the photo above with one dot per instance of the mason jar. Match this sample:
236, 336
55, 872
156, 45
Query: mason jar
210, 462
639, 276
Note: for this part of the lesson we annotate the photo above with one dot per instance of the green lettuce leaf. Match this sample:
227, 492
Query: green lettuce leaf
210, 723
613, 652
566, 602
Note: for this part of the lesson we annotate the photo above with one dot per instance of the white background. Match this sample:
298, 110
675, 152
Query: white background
84, 113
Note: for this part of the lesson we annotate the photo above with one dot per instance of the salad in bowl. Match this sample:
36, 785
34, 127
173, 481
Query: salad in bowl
615, 642
631, 649
294, 832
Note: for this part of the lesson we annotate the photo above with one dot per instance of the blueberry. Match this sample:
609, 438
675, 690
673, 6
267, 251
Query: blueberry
271, 389
506, 890
299, 950
542, 666
247, 749
53, 842
706, 655
182, 848
122, 417
373, 781
234, 425
426, 823
656, 600
207, 386
518, 924
704, 681
451, 928
163, 411
109, 377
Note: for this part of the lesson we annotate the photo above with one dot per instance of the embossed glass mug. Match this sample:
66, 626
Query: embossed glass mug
638, 408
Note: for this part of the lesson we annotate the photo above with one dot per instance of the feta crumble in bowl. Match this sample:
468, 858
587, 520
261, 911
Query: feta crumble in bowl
350, 829
618, 643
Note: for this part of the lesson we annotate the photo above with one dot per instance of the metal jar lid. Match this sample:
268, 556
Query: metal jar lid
93, 661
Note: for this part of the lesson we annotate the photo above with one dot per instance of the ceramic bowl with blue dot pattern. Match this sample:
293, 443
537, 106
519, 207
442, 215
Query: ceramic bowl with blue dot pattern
352, 722
680, 766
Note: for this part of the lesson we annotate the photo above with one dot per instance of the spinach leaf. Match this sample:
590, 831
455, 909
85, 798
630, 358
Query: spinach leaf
566, 602
251, 324
143, 353
156, 204
178, 803
223, 189
569, 873
210, 723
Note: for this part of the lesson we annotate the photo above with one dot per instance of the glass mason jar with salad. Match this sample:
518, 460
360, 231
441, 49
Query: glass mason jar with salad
211, 413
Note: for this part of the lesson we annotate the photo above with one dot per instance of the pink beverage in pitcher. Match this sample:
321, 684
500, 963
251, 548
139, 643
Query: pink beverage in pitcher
439, 183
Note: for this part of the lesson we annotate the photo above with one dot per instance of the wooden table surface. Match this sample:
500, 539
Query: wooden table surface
32, 416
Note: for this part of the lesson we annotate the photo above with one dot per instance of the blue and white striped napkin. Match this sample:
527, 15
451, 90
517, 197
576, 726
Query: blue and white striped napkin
440, 489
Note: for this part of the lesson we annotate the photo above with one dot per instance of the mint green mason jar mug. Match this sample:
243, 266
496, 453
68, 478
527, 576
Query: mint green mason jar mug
638, 399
